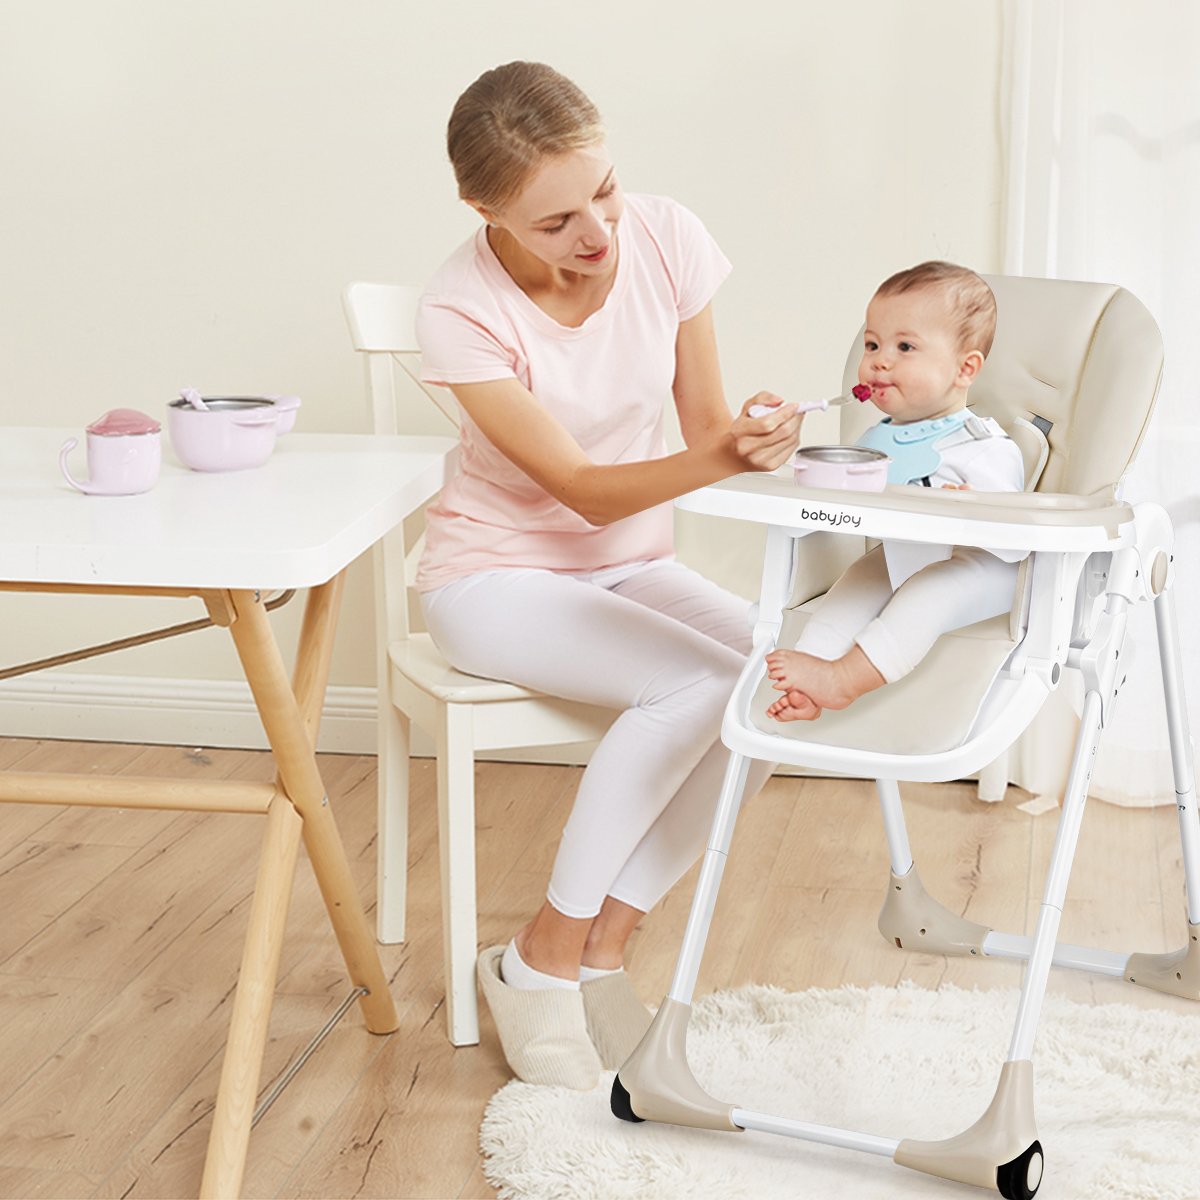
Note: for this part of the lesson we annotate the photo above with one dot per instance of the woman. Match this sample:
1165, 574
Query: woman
562, 327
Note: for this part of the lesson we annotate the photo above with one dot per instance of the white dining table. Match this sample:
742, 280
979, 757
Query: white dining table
230, 540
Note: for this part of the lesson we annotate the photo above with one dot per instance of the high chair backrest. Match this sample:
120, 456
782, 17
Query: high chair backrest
1079, 362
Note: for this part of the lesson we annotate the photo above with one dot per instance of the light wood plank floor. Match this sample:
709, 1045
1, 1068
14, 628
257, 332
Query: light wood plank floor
121, 933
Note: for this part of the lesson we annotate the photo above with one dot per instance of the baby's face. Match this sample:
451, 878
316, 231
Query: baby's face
911, 357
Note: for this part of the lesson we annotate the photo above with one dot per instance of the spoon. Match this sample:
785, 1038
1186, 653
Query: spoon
194, 398
761, 410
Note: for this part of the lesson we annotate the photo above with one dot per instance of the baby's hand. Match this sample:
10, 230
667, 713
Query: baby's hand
956, 487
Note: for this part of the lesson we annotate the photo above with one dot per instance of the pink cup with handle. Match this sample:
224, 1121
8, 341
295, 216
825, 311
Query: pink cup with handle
124, 453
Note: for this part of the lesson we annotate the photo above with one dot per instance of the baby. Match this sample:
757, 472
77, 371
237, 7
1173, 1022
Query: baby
928, 332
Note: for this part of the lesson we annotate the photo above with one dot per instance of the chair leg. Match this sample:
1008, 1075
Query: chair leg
1005, 1136
456, 842
893, 826
391, 848
993, 779
1178, 971
656, 1083
1181, 750
1037, 971
911, 919
695, 935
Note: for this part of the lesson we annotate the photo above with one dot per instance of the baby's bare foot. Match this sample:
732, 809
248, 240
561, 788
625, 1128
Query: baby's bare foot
785, 669
835, 683
794, 706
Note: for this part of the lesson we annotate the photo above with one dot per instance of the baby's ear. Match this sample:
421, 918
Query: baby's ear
970, 366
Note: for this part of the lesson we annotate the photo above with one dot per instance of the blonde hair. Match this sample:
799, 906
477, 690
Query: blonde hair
971, 301
507, 121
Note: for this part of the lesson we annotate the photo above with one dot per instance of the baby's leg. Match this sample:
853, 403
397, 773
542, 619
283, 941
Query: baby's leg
971, 585
806, 675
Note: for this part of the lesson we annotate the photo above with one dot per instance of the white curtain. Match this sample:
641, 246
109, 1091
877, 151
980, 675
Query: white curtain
1103, 142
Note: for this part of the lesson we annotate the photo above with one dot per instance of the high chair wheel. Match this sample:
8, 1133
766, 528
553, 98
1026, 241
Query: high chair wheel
1021, 1178
619, 1103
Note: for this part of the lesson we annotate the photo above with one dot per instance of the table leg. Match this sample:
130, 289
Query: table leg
310, 678
285, 726
242, 1065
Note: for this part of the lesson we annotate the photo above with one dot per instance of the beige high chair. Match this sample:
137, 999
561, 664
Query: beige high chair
1073, 373
464, 714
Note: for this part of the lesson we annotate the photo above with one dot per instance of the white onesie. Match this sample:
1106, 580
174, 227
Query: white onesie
899, 598
978, 453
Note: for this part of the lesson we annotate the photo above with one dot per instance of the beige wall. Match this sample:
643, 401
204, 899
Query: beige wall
188, 186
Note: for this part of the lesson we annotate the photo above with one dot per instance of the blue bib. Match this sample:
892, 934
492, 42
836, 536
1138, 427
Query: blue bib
911, 447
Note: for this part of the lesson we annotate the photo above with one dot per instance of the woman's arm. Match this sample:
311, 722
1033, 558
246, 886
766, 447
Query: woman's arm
699, 394
525, 433
512, 420
717, 447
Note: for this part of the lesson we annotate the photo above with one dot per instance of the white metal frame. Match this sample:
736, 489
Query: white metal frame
1077, 543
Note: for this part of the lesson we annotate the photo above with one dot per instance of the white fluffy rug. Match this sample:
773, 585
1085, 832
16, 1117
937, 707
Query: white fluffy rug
1117, 1087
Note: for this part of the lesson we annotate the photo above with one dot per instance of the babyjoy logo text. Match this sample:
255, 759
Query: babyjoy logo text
831, 519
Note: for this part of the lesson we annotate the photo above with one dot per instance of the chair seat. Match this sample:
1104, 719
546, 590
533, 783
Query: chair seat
930, 711
418, 660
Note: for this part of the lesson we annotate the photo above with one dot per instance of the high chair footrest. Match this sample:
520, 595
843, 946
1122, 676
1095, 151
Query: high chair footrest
1177, 972
914, 920
945, 691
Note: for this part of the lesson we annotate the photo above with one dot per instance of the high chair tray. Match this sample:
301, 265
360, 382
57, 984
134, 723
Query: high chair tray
996, 520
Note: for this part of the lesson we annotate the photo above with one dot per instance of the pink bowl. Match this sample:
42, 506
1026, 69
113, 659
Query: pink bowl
233, 433
851, 468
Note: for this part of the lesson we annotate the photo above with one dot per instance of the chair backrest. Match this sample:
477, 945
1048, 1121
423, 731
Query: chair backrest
1079, 362
382, 321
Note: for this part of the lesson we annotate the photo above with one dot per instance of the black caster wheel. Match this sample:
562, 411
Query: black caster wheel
1021, 1178
620, 1103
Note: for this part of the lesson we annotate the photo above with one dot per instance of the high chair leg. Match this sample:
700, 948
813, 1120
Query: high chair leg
1001, 1149
893, 826
1177, 971
1037, 970
910, 917
656, 1083
695, 936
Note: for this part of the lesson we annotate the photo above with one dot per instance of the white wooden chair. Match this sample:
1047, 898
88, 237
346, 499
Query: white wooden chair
465, 715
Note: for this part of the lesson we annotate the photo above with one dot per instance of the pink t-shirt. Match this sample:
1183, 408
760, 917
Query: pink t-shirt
607, 383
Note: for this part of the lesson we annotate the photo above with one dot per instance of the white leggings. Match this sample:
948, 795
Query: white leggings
655, 640
897, 629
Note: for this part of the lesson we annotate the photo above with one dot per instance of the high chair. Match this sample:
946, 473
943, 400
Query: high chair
1078, 364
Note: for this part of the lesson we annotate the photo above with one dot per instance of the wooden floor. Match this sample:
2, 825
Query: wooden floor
121, 934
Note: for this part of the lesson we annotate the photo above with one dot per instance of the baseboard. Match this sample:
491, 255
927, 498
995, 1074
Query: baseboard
171, 712
197, 712
205, 712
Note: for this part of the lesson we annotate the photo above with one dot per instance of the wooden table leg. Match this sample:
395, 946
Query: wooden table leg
285, 725
310, 677
242, 1065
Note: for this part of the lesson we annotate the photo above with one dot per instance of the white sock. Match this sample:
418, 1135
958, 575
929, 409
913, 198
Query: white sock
587, 974
517, 973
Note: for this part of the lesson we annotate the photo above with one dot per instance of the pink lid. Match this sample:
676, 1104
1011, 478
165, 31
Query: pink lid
123, 420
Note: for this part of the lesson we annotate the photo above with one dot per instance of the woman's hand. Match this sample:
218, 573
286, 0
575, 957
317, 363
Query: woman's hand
766, 439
